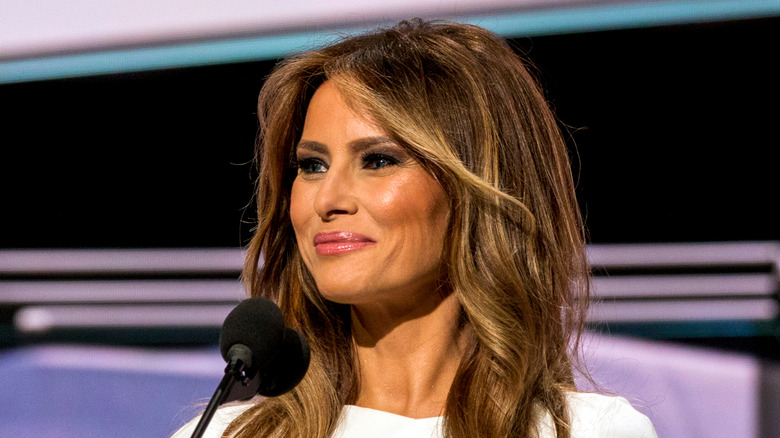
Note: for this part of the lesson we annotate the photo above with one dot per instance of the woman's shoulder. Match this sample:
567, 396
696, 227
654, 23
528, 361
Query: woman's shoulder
222, 418
596, 415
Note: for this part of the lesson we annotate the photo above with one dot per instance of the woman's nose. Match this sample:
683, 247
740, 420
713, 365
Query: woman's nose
335, 195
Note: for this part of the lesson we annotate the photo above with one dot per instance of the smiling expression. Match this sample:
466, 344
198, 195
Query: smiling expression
370, 222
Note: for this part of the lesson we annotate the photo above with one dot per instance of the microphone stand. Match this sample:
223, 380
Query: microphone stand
235, 371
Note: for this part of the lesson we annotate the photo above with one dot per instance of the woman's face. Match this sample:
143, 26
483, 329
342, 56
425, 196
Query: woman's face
369, 220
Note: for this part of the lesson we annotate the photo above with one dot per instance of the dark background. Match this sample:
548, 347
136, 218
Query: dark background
673, 133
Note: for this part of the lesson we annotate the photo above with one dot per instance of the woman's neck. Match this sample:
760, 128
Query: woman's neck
408, 357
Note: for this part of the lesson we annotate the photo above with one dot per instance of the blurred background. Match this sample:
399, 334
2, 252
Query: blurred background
126, 195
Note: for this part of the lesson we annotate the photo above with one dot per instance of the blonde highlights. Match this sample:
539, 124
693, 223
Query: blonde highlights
466, 107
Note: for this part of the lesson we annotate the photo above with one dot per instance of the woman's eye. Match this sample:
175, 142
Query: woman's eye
378, 161
312, 165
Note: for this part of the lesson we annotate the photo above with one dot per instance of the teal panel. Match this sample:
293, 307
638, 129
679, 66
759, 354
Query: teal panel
514, 24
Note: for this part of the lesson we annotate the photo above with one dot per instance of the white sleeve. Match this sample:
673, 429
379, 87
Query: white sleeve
221, 420
598, 416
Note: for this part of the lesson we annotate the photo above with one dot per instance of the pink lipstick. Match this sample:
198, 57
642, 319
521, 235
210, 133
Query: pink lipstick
339, 242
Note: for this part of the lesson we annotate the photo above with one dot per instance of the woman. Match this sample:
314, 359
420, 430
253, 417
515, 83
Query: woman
418, 222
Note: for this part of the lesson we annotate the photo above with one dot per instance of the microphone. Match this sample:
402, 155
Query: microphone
251, 334
287, 368
261, 353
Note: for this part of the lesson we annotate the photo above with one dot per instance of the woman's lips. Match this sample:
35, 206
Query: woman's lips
339, 242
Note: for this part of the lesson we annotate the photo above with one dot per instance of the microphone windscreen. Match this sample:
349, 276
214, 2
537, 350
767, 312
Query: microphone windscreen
256, 323
288, 367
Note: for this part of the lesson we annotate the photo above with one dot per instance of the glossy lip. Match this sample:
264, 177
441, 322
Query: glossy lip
339, 242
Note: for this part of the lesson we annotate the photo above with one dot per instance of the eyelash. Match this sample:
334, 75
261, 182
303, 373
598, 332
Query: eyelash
373, 157
305, 165
369, 161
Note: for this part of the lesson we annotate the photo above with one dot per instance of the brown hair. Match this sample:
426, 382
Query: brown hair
465, 106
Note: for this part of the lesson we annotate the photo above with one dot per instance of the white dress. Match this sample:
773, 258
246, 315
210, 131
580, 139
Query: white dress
592, 416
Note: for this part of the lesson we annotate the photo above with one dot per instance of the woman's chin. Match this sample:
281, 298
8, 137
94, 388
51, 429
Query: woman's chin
342, 293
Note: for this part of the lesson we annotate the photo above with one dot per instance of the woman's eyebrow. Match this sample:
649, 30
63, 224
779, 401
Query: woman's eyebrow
313, 146
362, 144
356, 146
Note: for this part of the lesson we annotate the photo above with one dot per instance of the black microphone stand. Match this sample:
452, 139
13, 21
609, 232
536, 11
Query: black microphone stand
234, 372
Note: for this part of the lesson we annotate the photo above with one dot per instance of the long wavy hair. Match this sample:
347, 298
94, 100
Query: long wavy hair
466, 107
